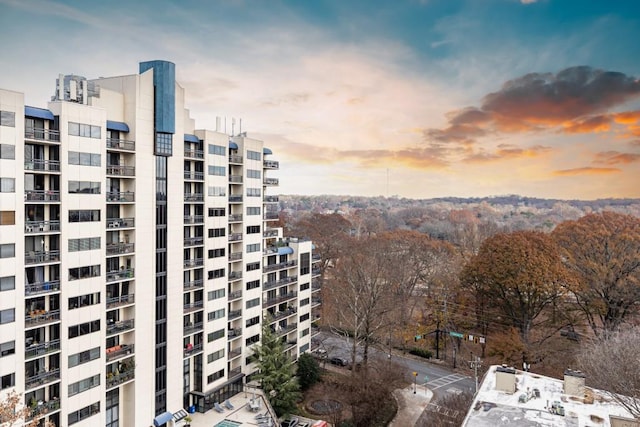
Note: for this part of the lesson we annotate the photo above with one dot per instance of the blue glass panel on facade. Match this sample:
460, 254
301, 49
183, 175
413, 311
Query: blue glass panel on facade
164, 81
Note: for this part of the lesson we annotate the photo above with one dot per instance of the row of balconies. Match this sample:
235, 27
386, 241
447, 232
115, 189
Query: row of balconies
38, 288
41, 349
280, 282
122, 274
279, 299
279, 266
41, 317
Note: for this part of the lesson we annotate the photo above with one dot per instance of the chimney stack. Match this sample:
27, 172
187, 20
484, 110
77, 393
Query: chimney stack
573, 383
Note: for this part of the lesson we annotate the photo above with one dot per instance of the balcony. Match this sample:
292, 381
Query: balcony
235, 159
121, 144
235, 198
190, 263
234, 237
235, 218
121, 300
192, 349
315, 272
119, 170
234, 333
116, 352
271, 232
235, 179
235, 372
193, 241
193, 197
35, 227
286, 329
41, 257
316, 258
194, 306
118, 223
121, 197
42, 196
234, 314
235, 256
235, 275
234, 353
194, 175
235, 295
39, 134
279, 266
192, 328
316, 285
268, 216
41, 317
42, 379
271, 199
122, 274
279, 299
38, 350
193, 219
42, 165
194, 284
114, 380
193, 154
282, 314
119, 327
120, 248
316, 301
44, 408
271, 181
39, 288
271, 164
280, 282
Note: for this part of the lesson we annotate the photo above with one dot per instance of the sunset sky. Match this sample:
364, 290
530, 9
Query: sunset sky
415, 98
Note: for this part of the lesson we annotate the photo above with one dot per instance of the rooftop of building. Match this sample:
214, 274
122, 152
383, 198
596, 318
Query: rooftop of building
539, 401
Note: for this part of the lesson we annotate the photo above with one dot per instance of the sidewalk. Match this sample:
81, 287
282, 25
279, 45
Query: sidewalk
410, 405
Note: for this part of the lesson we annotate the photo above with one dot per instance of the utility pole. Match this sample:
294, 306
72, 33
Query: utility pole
474, 364
438, 339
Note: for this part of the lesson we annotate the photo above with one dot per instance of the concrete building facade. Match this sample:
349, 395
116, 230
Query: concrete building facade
138, 254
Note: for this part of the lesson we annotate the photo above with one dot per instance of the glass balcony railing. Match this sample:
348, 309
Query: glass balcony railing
193, 219
40, 317
121, 222
194, 154
41, 349
121, 300
34, 227
119, 170
42, 378
121, 144
42, 165
40, 134
194, 175
41, 287
114, 380
194, 306
235, 159
119, 327
193, 284
41, 257
120, 248
121, 196
271, 164
118, 351
42, 196
197, 262
122, 274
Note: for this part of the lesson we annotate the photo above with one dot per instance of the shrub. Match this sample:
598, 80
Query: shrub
427, 354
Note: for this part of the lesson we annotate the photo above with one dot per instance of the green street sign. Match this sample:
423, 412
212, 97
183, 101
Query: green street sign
456, 334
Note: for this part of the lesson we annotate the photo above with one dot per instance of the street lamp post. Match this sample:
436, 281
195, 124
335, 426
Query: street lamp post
415, 382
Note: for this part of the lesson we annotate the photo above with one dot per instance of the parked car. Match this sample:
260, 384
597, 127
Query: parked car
292, 422
338, 361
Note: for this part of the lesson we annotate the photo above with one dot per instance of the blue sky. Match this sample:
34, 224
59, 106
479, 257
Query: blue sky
413, 98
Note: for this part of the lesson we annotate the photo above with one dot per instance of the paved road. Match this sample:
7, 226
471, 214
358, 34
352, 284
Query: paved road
435, 377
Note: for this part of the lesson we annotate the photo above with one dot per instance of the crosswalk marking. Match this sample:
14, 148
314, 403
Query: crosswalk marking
445, 381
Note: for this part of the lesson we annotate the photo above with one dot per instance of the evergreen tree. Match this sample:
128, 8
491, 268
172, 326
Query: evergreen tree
276, 371
308, 371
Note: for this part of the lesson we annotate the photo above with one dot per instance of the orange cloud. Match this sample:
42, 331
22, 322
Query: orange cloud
627, 117
601, 123
507, 152
615, 158
586, 171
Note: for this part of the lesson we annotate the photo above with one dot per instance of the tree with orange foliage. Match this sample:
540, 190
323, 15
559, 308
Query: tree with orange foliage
519, 275
602, 252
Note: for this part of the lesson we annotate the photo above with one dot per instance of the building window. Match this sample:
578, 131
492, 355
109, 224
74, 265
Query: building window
7, 283
253, 173
84, 300
253, 284
213, 315
84, 159
304, 286
216, 212
84, 329
84, 216
84, 272
253, 303
253, 229
83, 385
216, 253
305, 263
8, 118
254, 155
217, 191
218, 150
7, 316
252, 340
218, 293
253, 321
215, 376
81, 129
215, 274
8, 380
212, 336
85, 244
304, 332
254, 210
164, 144
7, 348
304, 317
7, 185
253, 266
216, 232
304, 302
85, 187
212, 357
304, 348
7, 250
84, 357
7, 217
253, 192
254, 247
84, 413
217, 170
7, 151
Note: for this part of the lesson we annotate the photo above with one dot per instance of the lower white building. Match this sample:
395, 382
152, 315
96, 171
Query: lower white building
138, 254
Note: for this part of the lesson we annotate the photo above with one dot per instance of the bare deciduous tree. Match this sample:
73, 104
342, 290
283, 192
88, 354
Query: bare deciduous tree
610, 364
13, 412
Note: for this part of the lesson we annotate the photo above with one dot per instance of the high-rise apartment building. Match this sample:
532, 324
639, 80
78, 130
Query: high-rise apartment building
138, 256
